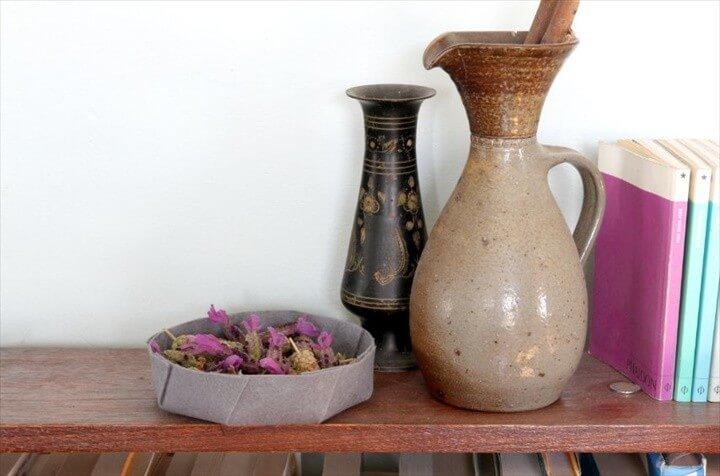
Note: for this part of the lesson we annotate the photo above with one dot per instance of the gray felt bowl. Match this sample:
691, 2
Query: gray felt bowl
267, 399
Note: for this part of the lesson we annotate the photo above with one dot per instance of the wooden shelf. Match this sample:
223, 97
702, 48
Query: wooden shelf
102, 400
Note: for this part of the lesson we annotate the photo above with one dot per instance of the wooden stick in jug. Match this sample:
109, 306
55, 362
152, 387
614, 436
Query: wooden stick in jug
540, 22
561, 21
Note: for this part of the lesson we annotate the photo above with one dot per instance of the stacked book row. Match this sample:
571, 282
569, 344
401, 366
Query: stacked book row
356, 464
657, 267
597, 464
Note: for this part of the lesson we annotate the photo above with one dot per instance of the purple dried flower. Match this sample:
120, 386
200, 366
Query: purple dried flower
276, 339
304, 326
252, 323
324, 340
326, 357
205, 344
218, 316
231, 363
286, 329
271, 366
232, 332
155, 347
275, 353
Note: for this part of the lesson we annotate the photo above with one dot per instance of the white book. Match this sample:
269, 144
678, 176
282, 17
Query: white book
626, 464
520, 464
561, 464
109, 463
342, 464
714, 383
251, 464
181, 464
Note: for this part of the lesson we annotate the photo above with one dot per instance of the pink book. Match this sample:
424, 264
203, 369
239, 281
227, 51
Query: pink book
638, 265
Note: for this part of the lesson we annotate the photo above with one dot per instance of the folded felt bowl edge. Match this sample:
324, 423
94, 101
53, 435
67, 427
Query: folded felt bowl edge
310, 397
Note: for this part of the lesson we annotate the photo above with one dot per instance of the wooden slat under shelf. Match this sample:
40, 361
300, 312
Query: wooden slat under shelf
101, 400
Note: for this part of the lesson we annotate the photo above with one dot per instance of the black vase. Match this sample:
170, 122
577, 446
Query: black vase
388, 233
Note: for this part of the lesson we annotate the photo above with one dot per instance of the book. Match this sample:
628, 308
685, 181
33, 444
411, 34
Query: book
559, 464
257, 464
109, 463
487, 464
695, 234
675, 464
638, 265
711, 277
519, 464
181, 464
712, 467
411, 464
342, 464
611, 464
714, 382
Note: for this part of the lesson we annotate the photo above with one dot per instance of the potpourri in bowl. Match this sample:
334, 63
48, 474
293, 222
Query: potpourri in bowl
262, 368
288, 349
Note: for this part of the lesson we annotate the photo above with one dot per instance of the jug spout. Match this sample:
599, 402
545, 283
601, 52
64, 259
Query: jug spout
502, 82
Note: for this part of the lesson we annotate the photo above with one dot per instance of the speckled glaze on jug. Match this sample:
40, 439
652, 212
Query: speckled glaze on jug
498, 310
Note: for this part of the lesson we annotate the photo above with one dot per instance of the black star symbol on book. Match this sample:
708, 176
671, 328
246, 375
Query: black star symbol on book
704, 177
683, 175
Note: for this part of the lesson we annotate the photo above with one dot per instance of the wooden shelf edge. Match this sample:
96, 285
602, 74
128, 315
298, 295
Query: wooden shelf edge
360, 438
102, 400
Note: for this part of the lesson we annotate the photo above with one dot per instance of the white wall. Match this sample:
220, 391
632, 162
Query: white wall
159, 157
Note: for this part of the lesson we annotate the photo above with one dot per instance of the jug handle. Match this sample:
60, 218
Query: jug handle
593, 206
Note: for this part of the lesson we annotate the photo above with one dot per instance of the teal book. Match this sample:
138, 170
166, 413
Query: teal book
695, 234
711, 278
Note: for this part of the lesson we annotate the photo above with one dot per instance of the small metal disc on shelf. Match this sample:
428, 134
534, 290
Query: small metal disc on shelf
624, 387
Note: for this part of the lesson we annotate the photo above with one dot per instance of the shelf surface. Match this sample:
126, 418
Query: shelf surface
98, 400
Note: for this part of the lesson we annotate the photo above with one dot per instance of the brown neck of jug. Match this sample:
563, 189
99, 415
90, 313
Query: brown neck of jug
502, 82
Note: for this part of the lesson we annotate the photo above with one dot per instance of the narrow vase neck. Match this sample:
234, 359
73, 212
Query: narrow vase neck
390, 130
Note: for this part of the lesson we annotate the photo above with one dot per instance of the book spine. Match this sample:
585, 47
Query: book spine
714, 383
708, 306
672, 302
690, 300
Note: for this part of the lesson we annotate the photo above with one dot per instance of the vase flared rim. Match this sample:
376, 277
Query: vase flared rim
500, 42
390, 92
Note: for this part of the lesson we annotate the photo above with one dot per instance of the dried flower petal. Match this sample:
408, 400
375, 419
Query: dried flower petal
235, 345
155, 347
253, 345
205, 344
271, 366
324, 340
286, 329
180, 341
251, 367
325, 357
276, 339
252, 323
304, 342
304, 361
275, 353
218, 316
232, 332
304, 326
180, 357
231, 363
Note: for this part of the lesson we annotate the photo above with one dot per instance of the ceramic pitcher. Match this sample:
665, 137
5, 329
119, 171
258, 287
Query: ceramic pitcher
498, 311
